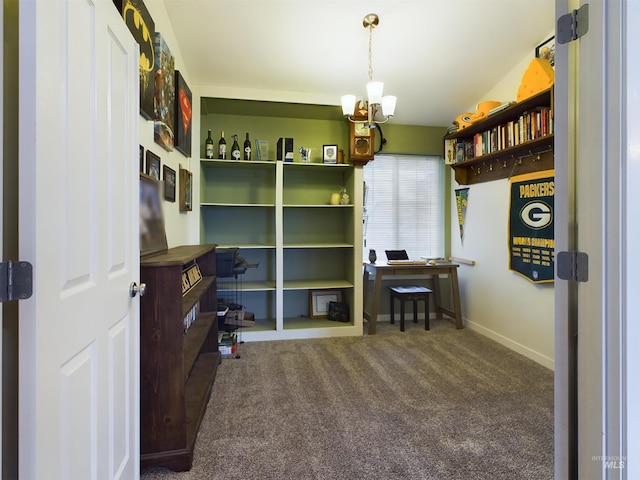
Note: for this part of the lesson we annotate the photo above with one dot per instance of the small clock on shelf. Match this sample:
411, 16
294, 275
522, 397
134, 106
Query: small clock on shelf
361, 137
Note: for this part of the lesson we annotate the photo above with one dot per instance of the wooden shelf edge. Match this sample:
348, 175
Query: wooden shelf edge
533, 156
194, 339
175, 460
198, 391
543, 98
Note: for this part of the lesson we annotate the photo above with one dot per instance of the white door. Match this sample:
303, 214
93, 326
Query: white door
79, 333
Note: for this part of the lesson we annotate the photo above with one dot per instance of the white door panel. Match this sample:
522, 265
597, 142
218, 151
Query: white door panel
79, 190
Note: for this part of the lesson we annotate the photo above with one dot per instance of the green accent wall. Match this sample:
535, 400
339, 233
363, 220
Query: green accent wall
312, 126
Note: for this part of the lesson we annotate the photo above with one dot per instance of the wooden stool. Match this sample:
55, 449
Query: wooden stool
412, 293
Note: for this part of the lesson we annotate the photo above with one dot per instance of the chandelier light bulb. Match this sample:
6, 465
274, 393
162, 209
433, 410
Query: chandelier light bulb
374, 92
348, 104
388, 105
374, 89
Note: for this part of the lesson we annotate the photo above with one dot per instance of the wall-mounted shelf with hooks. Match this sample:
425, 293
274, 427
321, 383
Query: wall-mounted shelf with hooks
517, 140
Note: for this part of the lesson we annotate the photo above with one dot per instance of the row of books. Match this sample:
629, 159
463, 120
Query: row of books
191, 317
529, 126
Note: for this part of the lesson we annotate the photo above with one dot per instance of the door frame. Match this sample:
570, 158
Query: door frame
594, 427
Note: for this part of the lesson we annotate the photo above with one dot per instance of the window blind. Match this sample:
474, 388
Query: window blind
404, 206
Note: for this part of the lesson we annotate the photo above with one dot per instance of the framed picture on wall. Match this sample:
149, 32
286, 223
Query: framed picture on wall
153, 165
169, 177
137, 19
547, 49
164, 67
182, 125
186, 187
152, 234
141, 159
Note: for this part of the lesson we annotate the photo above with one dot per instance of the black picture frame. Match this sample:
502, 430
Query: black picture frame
183, 116
330, 154
338, 312
547, 49
169, 178
142, 159
153, 165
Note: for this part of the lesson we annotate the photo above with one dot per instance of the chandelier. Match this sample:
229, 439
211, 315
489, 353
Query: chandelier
375, 101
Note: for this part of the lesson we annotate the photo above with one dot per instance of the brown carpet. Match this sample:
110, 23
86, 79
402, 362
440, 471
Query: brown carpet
439, 404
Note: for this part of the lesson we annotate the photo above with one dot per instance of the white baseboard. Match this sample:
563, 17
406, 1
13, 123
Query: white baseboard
510, 344
496, 337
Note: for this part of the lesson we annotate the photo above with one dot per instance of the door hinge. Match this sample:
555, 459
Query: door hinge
16, 281
572, 26
573, 266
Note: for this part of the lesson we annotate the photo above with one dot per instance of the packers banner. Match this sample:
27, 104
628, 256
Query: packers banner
531, 241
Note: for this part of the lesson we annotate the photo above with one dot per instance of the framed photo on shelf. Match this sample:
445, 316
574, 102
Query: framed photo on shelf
319, 301
153, 165
169, 177
186, 187
330, 154
338, 312
547, 49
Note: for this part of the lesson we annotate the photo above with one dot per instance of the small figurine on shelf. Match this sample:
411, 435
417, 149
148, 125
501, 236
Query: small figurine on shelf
305, 153
372, 256
344, 197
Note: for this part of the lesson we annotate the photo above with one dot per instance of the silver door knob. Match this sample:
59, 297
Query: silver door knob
134, 289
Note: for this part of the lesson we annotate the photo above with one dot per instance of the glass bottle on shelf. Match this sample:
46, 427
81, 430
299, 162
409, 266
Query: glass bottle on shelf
208, 146
247, 148
235, 149
344, 197
222, 147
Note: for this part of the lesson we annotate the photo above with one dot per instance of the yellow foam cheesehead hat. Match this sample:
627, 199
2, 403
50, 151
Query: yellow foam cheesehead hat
538, 76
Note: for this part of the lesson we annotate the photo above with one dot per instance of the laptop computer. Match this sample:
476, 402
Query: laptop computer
396, 254
400, 257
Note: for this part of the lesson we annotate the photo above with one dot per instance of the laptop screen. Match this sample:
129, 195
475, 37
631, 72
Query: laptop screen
396, 254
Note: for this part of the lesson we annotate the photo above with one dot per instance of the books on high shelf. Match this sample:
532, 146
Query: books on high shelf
531, 125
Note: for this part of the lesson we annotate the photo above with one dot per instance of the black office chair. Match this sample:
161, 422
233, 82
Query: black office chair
396, 254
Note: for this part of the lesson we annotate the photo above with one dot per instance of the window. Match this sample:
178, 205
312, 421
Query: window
404, 206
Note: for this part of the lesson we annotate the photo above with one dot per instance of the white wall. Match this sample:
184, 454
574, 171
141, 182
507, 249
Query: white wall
495, 301
178, 225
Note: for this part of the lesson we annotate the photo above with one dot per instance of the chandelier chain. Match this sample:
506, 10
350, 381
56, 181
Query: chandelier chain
370, 49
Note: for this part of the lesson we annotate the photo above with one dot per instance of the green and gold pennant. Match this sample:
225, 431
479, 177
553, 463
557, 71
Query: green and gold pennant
462, 198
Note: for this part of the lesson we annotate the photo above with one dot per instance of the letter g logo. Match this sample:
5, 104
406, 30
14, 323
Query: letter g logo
536, 215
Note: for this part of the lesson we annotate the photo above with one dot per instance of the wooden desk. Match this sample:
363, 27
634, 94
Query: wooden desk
380, 270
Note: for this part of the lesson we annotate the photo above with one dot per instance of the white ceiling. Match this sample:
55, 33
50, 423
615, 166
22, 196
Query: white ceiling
439, 57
